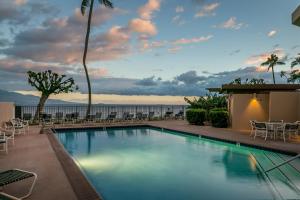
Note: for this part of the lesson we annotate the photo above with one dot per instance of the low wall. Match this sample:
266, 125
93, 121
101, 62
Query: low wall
7, 112
284, 106
246, 107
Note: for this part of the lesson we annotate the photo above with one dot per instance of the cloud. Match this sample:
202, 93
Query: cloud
256, 60
142, 26
147, 10
231, 23
179, 9
20, 2
151, 81
235, 52
61, 40
184, 41
207, 10
174, 49
190, 77
178, 20
272, 33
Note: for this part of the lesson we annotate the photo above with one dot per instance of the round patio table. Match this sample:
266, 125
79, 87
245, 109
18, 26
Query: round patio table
274, 126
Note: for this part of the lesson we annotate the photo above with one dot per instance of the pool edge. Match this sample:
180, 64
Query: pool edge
81, 186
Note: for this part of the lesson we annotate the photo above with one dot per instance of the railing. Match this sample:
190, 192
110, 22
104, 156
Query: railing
158, 110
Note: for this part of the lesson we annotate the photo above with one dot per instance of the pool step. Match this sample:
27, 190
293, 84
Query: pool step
284, 179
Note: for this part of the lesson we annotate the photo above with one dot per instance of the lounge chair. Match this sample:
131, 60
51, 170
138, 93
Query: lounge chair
112, 116
27, 117
151, 115
4, 196
127, 116
91, 118
169, 115
47, 119
98, 116
3, 141
15, 175
179, 115
59, 117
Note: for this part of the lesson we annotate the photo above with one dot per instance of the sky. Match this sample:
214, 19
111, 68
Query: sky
146, 47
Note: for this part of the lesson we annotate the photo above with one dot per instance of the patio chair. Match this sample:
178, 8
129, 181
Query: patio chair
139, 116
168, 115
288, 129
69, 118
9, 131
3, 141
16, 175
260, 129
276, 121
252, 125
179, 115
75, 117
19, 126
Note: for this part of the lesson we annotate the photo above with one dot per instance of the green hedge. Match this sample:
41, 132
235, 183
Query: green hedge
196, 116
219, 118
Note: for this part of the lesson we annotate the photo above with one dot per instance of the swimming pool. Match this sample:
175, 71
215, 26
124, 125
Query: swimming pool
150, 163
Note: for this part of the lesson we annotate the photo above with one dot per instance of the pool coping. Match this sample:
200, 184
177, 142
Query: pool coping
81, 186
79, 182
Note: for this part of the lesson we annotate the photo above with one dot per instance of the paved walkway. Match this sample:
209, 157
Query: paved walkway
33, 152
292, 146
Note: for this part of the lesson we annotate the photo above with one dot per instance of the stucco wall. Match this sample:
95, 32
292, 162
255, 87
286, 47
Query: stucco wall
284, 106
7, 112
245, 107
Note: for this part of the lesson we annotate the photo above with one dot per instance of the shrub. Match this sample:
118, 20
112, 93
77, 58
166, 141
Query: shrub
196, 116
219, 118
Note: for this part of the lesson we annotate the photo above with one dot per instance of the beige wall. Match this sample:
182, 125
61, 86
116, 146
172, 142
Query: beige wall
7, 112
284, 106
245, 107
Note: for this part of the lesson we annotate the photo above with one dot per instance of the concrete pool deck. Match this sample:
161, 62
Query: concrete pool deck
33, 152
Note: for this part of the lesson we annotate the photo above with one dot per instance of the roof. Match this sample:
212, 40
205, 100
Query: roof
249, 88
296, 17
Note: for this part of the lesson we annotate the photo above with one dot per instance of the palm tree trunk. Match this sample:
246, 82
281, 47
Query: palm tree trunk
40, 107
273, 75
84, 58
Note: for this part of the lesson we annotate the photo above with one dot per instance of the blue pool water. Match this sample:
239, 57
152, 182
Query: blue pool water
142, 163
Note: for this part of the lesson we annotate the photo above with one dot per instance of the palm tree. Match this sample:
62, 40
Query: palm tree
295, 62
84, 5
272, 61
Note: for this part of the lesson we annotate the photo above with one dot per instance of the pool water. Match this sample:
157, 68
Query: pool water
145, 163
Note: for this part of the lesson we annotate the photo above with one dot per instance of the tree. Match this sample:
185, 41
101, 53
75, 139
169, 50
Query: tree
48, 83
294, 75
84, 5
272, 61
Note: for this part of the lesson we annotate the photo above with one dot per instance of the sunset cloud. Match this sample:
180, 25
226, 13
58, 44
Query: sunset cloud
272, 33
231, 23
142, 26
147, 10
184, 41
207, 10
256, 60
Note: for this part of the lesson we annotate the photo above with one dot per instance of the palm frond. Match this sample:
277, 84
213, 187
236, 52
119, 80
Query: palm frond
84, 5
280, 63
106, 3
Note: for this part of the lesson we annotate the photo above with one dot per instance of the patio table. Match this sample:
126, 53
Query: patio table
274, 126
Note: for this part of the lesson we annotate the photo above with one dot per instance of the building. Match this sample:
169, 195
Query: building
296, 17
261, 102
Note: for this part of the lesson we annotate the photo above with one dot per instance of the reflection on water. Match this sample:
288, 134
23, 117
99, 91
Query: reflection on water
143, 163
